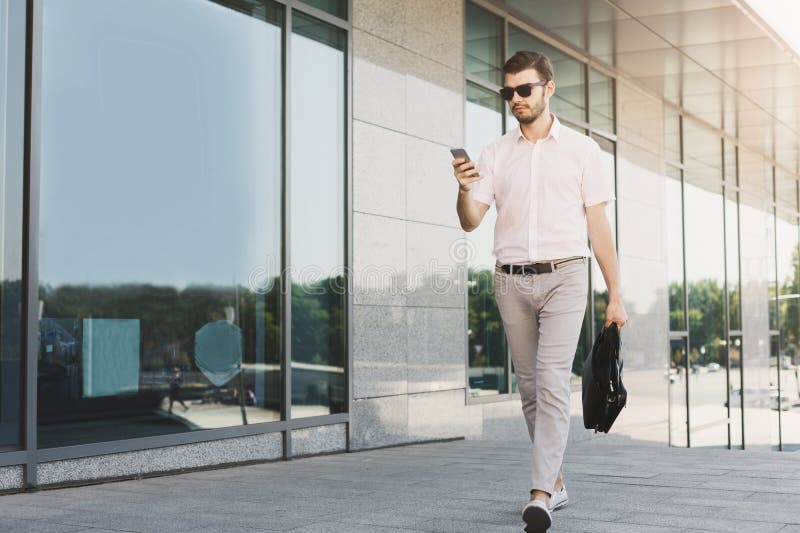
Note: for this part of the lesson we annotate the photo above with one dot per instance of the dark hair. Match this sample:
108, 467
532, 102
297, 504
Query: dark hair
523, 60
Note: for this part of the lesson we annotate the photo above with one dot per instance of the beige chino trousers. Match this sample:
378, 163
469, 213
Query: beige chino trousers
542, 315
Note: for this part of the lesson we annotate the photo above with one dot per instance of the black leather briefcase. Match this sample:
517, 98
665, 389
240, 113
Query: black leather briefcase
604, 395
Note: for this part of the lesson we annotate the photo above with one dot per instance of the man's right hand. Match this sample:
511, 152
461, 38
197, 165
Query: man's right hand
466, 173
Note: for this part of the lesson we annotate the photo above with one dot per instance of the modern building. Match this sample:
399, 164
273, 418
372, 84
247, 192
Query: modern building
229, 229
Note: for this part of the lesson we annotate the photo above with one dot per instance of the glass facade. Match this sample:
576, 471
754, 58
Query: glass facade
202, 171
724, 406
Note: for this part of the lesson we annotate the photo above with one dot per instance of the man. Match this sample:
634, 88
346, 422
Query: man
549, 185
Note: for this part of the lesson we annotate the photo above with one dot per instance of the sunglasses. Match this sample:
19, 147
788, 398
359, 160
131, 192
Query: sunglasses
523, 90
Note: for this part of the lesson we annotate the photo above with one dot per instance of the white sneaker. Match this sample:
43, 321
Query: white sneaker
536, 516
559, 499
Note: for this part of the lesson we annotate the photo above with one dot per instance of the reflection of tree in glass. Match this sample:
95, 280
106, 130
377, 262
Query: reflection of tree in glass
169, 318
706, 319
318, 324
487, 340
789, 310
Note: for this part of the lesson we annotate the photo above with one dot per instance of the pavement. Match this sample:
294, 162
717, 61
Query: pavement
615, 484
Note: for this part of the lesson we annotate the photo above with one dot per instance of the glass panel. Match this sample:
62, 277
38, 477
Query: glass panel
488, 349
705, 276
11, 201
319, 381
150, 236
672, 135
775, 404
601, 100
754, 220
702, 155
569, 100
599, 287
786, 190
677, 315
484, 53
788, 397
772, 285
337, 8
677, 376
732, 253
735, 385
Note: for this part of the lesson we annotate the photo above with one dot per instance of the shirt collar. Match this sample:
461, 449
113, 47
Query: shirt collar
555, 131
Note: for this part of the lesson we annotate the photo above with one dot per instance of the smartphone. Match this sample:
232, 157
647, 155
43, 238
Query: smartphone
459, 152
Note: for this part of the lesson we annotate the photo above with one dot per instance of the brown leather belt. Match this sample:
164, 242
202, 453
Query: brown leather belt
541, 267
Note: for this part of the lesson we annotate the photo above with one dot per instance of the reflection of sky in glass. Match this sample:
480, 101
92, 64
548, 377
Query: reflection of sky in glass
702, 154
704, 239
483, 126
317, 188
10, 189
160, 143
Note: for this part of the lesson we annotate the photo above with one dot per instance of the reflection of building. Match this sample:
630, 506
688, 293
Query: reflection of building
174, 172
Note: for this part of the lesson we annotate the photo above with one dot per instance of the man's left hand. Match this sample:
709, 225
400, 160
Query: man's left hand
615, 312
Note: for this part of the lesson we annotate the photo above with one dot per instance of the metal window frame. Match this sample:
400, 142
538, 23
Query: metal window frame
25, 46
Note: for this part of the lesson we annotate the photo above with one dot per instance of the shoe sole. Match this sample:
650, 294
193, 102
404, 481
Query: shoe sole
536, 520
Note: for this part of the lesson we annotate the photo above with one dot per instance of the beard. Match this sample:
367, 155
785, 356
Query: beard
536, 112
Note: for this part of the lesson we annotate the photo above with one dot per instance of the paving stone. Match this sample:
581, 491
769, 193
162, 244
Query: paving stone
443, 486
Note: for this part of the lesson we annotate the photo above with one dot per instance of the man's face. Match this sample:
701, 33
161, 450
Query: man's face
527, 110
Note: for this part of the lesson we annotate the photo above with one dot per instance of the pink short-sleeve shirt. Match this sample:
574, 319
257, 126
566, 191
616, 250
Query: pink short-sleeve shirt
541, 191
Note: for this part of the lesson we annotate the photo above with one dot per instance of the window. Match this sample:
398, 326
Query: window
484, 45
674, 203
160, 200
732, 263
601, 99
705, 279
319, 384
488, 350
678, 422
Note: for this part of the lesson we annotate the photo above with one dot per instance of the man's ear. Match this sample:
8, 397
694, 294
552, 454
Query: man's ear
551, 88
